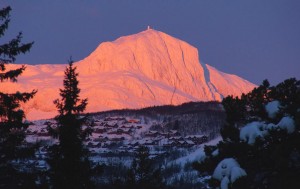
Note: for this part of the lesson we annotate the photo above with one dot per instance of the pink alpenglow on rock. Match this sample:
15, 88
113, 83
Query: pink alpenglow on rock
145, 69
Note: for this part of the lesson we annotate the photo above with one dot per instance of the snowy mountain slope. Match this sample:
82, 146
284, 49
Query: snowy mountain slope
144, 69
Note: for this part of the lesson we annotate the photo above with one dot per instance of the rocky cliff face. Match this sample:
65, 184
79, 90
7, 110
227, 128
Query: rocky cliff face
144, 69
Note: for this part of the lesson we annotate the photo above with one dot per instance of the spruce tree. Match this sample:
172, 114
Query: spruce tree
12, 126
142, 173
70, 167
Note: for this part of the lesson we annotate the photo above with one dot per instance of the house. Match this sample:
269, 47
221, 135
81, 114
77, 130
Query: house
100, 130
121, 119
190, 143
136, 121
97, 121
165, 134
174, 133
111, 126
43, 132
152, 134
120, 131
101, 139
127, 126
108, 119
172, 143
181, 143
149, 142
117, 139
29, 132
135, 143
93, 144
128, 130
197, 139
176, 138
114, 118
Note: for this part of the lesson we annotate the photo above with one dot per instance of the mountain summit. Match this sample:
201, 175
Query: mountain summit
145, 69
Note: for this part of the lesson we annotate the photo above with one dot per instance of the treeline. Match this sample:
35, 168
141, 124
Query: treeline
185, 108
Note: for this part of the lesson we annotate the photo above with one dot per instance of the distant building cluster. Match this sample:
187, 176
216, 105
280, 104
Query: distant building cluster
121, 134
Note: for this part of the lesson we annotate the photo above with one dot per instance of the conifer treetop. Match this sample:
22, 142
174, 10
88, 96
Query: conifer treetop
9, 50
70, 103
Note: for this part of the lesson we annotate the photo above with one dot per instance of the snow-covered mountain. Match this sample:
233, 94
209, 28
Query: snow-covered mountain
145, 69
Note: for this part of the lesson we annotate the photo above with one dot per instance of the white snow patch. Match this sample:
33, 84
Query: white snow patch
228, 168
287, 123
225, 182
215, 153
270, 126
251, 131
224, 168
255, 129
198, 154
236, 172
272, 108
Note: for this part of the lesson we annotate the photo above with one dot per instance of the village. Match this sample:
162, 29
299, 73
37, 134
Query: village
120, 134
115, 140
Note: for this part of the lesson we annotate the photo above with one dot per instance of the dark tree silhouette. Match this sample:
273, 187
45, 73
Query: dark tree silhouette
273, 161
143, 174
12, 126
70, 167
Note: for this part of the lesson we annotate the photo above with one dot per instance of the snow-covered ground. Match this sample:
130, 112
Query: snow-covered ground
196, 155
115, 139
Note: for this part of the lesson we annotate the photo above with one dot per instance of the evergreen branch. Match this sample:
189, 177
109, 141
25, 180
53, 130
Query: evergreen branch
12, 74
4, 16
10, 50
